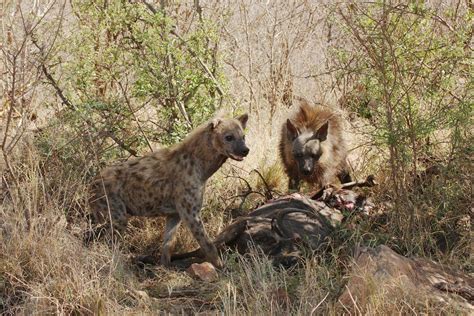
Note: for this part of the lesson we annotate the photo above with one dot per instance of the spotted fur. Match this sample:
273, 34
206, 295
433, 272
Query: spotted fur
169, 182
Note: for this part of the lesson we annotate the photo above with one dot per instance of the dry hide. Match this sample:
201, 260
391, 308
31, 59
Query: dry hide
283, 227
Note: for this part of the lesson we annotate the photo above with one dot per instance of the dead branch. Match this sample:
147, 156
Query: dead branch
464, 291
127, 101
245, 194
268, 191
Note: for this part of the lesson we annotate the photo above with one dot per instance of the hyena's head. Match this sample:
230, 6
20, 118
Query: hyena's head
228, 137
306, 146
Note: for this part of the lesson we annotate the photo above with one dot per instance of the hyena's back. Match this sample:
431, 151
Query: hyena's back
333, 161
133, 189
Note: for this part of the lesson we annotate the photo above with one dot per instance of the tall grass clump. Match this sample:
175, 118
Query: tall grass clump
44, 267
255, 286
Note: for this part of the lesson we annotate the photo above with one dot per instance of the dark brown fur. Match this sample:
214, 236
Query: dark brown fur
169, 182
309, 145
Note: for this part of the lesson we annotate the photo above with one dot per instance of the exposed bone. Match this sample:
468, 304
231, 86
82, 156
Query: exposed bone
368, 182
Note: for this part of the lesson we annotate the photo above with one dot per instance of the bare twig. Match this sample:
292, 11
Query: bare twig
245, 194
268, 191
71, 106
462, 290
127, 101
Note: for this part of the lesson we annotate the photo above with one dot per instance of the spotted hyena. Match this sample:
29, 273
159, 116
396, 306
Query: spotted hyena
169, 182
312, 147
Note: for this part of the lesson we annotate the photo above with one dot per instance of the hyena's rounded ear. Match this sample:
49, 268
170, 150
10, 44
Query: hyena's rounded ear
322, 132
291, 130
243, 120
214, 123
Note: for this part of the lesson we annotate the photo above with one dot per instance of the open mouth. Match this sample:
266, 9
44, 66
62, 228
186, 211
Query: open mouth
236, 157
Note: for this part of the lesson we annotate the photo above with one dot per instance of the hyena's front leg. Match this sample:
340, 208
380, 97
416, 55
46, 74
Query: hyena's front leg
294, 184
190, 216
172, 224
344, 175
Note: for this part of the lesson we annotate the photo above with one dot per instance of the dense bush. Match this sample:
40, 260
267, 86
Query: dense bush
89, 82
131, 75
410, 69
413, 70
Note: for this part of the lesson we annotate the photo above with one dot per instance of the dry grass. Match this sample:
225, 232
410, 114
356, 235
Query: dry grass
45, 268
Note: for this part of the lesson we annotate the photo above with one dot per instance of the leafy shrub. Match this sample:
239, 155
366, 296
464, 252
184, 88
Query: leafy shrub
131, 77
411, 65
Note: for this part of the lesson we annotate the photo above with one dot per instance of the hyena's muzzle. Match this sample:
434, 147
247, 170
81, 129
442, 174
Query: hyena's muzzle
239, 150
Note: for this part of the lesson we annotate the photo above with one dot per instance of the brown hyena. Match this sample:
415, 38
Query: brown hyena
169, 182
312, 147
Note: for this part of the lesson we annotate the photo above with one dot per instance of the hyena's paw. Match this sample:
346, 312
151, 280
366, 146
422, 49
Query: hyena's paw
217, 262
213, 257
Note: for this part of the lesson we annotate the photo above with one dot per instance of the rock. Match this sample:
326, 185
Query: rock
203, 271
382, 273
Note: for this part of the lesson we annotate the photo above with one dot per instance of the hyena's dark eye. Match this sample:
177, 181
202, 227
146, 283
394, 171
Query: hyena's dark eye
298, 155
229, 138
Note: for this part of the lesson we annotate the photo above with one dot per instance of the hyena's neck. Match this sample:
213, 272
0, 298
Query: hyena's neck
205, 160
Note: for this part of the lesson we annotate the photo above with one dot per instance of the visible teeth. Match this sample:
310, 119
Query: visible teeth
238, 158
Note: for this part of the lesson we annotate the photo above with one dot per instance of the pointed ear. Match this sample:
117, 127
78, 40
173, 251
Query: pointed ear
214, 123
322, 132
291, 130
243, 120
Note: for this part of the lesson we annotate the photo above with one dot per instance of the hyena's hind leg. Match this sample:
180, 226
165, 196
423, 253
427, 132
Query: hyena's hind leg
172, 224
109, 218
